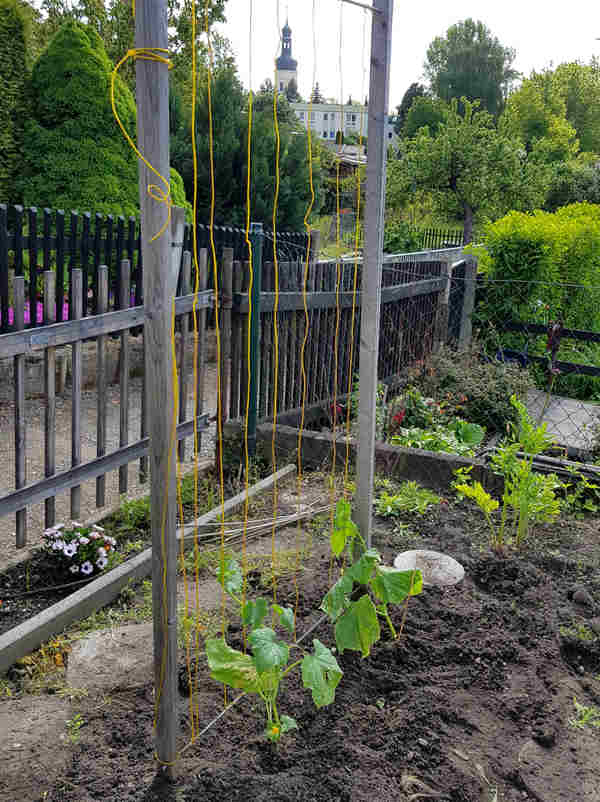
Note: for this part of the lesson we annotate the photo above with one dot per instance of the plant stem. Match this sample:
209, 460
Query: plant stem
384, 614
290, 667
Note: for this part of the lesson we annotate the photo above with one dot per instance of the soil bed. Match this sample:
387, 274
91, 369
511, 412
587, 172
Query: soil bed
472, 704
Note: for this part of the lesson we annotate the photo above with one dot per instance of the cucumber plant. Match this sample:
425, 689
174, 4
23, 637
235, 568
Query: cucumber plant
363, 592
262, 671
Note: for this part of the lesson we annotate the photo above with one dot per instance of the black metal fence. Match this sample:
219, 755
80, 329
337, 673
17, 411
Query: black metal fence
33, 241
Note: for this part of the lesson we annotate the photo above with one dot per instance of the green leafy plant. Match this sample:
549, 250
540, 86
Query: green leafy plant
530, 496
409, 498
458, 437
585, 716
364, 590
262, 671
74, 725
582, 497
78, 549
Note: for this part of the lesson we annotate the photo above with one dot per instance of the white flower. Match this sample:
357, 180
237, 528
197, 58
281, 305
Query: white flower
49, 532
58, 545
97, 528
58, 527
94, 536
74, 569
84, 540
101, 552
76, 525
70, 549
101, 562
87, 567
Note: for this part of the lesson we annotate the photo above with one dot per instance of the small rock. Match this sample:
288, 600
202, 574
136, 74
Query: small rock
581, 596
422, 742
594, 625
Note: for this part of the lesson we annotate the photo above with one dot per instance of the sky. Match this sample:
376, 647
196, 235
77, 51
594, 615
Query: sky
541, 31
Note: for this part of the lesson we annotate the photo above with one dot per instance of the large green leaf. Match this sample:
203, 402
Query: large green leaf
286, 616
392, 586
335, 600
230, 666
229, 576
362, 570
321, 673
471, 434
254, 612
344, 528
358, 628
269, 653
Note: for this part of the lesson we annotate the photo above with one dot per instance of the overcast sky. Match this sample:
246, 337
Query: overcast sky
541, 31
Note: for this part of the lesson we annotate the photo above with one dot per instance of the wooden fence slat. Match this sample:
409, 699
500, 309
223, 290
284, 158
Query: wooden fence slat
20, 427
18, 214
236, 347
50, 393
4, 267
84, 257
46, 246
124, 289
225, 302
101, 385
108, 260
119, 247
283, 341
98, 221
60, 265
76, 365
244, 364
33, 268
200, 346
186, 279
73, 224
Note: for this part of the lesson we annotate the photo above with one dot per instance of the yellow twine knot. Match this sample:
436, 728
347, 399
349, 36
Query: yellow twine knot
155, 191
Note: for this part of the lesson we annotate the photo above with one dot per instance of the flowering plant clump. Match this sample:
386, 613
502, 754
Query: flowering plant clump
80, 550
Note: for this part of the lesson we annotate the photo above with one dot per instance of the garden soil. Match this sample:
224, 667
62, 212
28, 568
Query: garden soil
472, 703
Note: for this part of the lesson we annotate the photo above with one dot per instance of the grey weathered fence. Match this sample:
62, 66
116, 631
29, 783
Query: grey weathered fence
22, 342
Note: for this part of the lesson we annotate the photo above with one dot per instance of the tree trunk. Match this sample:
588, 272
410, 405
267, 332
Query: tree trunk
468, 224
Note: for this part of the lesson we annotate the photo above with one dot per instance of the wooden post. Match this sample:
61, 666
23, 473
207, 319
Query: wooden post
124, 298
236, 348
441, 320
101, 382
183, 343
152, 90
76, 313
20, 430
200, 344
50, 389
466, 316
381, 47
225, 302
256, 237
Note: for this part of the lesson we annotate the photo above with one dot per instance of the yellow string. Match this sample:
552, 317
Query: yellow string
155, 191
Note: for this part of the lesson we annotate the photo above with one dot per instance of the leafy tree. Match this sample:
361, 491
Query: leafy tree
425, 111
470, 169
470, 62
414, 91
14, 24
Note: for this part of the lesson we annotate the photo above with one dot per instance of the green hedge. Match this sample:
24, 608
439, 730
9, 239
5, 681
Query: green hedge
13, 107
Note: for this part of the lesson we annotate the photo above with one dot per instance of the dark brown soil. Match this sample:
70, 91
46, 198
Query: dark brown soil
471, 704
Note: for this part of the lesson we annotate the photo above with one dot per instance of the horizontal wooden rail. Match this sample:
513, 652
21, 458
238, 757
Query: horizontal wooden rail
58, 334
45, 488
294, 301
565, 367
540, 328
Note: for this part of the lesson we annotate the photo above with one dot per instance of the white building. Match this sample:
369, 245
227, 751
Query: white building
324, 119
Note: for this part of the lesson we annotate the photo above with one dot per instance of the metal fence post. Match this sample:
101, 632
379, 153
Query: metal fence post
256, 239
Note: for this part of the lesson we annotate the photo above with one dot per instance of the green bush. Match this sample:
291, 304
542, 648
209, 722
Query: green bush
400, 237
13, 78
473, 388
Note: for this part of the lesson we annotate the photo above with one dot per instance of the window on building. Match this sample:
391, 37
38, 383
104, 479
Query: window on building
281, 86
313, 116
348, 117
353, 118
301, 115
390, 135
332, 135
325, 116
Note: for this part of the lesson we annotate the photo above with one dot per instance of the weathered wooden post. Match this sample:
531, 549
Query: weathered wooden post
152, 91
256, 238
381, 48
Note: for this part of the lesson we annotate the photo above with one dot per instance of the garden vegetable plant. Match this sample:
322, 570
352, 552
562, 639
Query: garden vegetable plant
269, 661
365, 589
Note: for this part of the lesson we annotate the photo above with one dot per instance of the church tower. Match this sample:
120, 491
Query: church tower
287, 67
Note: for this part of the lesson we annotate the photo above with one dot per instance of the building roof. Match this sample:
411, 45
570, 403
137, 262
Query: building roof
286, 63
285, 60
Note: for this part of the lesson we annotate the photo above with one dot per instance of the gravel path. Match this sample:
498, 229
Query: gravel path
35, 455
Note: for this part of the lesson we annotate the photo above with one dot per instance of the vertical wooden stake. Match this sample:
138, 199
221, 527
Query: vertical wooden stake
101, 381
225, 298
381, 47
124, 296
183, 343
76, 363
256, 237
50, 388
200, 343
20, 440
152, 90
